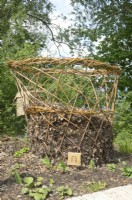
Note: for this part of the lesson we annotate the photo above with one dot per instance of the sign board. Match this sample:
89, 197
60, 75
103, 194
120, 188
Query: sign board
20, 102
74, 159
19, 107
24, 100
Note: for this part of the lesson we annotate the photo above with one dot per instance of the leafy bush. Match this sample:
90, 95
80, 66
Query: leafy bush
111, 167
9, 122
61, 166
95, 186
46, 161
127, 171
64, 191
14, 171
32, 188
91, 164
19, 153
123, 123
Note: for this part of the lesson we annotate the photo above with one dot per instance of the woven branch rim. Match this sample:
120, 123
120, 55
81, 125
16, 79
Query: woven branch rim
84, 62
39, 109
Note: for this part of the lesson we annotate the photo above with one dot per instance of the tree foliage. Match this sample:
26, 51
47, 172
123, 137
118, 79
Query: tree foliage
23, 32
22, 27
108, 23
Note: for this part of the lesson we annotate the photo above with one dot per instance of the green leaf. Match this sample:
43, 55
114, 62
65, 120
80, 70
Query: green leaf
44, 190
46, 162
69, 191
40, 179
51, 182
24, 190
91, 164
31, 193
17, 177
38, 196
111, 166
40, 190
61, 188
28, 181
17, 166
19, 153
127, 171
61, 166
36, 184
64, 190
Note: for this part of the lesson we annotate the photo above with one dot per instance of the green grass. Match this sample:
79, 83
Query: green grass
94, 186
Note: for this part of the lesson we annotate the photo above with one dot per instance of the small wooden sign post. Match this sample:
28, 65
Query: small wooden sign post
74, 159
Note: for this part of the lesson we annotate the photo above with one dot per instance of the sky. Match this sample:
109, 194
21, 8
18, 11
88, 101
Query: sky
61, 7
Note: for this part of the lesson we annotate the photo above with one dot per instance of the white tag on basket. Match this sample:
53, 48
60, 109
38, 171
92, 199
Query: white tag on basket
74, 159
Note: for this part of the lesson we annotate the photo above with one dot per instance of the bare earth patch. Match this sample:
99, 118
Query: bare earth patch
77, 178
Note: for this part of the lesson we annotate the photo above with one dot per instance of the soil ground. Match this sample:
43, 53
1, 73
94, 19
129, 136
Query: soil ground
77, 178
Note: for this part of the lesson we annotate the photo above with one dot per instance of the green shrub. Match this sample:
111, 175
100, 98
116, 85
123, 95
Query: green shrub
123, 123
111, 166
20, 152
95, 186
127, 171
64, 191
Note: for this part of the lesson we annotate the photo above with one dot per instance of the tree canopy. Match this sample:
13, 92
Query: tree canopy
24, 27
104, 28
23, 33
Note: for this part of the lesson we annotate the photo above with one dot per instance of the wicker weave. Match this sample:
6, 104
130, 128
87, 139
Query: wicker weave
73, 92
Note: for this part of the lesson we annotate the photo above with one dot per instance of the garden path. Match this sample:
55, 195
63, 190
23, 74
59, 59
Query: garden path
117, 193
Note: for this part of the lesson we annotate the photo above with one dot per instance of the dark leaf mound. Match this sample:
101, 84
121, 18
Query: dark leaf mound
55, 136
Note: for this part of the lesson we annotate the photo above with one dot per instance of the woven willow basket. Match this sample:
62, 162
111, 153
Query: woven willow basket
70, 106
